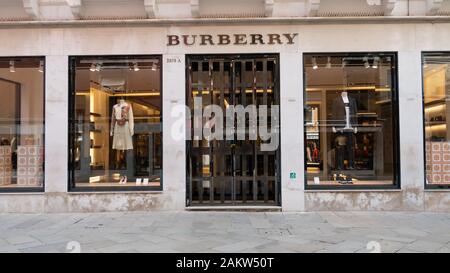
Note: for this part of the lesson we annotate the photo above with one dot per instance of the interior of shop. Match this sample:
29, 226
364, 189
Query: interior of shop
117, 133
436, 109
21, 122
350, 137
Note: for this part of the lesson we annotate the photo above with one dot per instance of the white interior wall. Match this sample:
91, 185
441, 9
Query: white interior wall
31, 99
7, 108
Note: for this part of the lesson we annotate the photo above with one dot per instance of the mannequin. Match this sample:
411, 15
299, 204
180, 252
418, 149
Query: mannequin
345, 121
308, 153
122, 130
344, 113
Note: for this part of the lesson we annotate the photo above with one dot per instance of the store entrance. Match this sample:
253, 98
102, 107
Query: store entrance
232, 170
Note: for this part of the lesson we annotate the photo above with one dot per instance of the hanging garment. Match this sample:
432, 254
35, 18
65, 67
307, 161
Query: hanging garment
338, 115
122, 126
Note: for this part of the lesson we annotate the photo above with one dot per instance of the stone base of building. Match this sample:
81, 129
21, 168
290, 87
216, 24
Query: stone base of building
398, 200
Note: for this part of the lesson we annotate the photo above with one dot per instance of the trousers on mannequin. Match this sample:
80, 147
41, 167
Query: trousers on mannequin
344, 150
121, 159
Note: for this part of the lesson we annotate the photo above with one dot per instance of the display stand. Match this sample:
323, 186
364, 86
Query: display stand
29, 165
5, 165
438, 162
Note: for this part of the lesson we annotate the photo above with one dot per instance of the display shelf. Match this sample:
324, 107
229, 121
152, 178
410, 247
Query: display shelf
97, 168
354, 183
381, 102
435, 123
435, 102
310, 124
367, 115
96, 147
312, 135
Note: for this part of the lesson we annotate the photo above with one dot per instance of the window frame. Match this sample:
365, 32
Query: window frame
396, 185
40, 189
71, 183
422, 62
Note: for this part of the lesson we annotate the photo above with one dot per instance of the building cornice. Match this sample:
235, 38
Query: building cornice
231, 21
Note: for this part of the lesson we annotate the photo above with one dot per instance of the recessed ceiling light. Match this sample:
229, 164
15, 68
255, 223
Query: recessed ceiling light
41, 66
375, 63
136, 67
314, 63
328, 63
366, 62
12, 67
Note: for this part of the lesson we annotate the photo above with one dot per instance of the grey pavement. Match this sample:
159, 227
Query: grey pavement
250, 232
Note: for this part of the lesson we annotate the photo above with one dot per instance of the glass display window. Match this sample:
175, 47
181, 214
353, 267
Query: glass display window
350, 120
436, 90
22, 123
116, 123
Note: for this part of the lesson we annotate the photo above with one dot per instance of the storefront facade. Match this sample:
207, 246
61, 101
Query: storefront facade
66, 82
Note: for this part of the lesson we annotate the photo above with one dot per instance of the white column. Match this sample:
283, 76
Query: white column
56, 123
174, 147
411, 127
292, 159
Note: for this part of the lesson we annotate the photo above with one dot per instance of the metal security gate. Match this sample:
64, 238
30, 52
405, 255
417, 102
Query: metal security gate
232, 172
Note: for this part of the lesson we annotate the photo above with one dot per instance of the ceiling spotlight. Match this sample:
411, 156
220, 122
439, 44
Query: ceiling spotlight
328, 63
314, 63
41, 66
136, 67
154, 67
366, 62
12, 67
92, 69
375, 63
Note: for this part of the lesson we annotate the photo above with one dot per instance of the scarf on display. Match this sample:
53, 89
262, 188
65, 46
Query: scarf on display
124, 115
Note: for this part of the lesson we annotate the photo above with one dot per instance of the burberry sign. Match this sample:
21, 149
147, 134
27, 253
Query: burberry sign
231, 39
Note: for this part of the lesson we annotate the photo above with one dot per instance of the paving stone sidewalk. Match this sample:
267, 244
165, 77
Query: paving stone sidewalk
226, 232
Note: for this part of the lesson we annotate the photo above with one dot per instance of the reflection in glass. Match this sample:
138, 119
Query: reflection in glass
21, 122
117, 133
436, 79
349, 119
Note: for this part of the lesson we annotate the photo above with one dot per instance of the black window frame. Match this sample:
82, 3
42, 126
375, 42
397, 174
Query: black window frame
71, 183
422, 62
396, 185
40, 189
